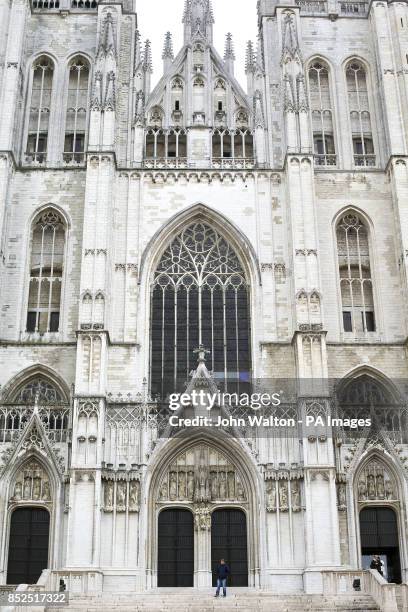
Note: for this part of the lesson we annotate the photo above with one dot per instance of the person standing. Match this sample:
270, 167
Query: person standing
223, 571
376, 564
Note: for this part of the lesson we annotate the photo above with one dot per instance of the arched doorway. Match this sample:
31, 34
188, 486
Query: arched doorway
28, 545
229, 542
379, 536
175, 566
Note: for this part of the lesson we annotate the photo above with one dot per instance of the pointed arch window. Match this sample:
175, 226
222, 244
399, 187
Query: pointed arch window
360, 117
77, 111
39, 111
46, 268
355, 275
322, 115
199, 296
365, 397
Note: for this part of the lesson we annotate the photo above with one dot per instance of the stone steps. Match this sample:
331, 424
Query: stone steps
197, 601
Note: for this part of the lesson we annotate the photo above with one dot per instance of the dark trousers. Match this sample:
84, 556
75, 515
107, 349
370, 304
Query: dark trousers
221, 582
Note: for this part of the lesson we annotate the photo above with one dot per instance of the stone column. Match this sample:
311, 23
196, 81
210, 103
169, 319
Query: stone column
202, 547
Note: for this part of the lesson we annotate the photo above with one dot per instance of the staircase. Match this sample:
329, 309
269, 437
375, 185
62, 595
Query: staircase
242, 600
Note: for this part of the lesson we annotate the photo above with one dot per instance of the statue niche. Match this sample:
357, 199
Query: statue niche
31, 484
376, 483
201, 475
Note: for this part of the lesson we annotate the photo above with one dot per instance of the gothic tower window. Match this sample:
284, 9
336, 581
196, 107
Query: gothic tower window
360, 118
199, 296
355, 275
322, 115
39, 110
76, 115
46, 267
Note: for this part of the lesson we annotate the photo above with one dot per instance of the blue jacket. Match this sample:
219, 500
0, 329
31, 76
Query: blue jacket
222, 570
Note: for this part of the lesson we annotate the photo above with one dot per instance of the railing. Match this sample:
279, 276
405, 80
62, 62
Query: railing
87, 5
35, 159
14, 418
64, 5
45, 5
348, 7
325, 160
312, 6
371, 583
166, 162
235, 163
364, 160
73, 159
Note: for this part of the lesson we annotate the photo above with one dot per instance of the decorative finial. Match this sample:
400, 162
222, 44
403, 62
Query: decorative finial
250, 59
229, 48
147, 57
168, 47
201, 351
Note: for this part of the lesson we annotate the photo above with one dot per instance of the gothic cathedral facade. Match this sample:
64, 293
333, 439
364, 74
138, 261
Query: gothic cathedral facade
269, 225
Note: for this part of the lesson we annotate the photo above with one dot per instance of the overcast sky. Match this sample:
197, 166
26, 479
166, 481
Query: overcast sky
156, 17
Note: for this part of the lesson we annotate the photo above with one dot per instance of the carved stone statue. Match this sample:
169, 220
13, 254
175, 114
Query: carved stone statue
163, 490
134, 495
283, 496
295, 493
271, 496
182, 485
27, 488
202, 489
342, 496
202, 519
380, 486
121, 496
37, 489
223, 486
231, 485
46, 493
214, 485
371, 486
173, 486
190, 485
362, 490
389, 490
240, 490
18, 491
108, 496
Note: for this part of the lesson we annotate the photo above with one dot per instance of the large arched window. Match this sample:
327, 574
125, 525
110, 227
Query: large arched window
76, 113
360, 118
46, 266
365, 397
322, 115
199, 297
355, 275
39, 110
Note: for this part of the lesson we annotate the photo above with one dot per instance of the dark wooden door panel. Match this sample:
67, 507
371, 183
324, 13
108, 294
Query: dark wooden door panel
175, 549
28, 546
229, 542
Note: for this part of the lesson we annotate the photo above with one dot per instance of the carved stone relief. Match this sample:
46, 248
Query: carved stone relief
121, 495
201, 475
376, 483
283, 494
31, 484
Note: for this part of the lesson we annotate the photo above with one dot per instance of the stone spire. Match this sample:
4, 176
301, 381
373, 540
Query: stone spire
168, 53
147, 66
250, 66
229, 55
250, 58
198, 20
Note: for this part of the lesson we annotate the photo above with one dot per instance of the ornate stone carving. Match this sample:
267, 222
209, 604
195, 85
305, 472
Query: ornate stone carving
121, 492
31, 484
341, 496
376, 483
271, 496
202, 518
201, 475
